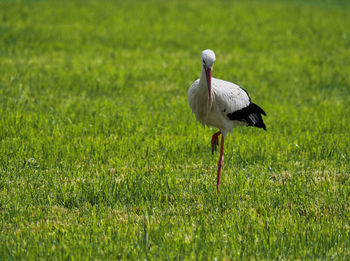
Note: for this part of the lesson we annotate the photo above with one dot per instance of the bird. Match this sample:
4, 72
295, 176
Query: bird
221, 104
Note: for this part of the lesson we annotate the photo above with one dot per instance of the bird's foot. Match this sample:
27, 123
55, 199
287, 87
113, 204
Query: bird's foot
215, 141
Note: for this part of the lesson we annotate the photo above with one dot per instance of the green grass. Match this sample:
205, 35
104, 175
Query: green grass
101, 158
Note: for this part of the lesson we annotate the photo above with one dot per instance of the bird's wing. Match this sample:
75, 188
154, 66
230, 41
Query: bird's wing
233, 103
192, 93
229, 97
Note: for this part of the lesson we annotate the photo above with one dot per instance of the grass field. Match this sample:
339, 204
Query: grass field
101, 158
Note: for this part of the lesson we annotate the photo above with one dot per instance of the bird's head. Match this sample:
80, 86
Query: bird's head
208, 59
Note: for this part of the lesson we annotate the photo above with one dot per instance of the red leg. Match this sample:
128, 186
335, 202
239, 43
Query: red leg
221, 159
215, 141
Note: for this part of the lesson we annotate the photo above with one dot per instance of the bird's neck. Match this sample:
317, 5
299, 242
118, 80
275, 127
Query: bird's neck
203, 79
203, 86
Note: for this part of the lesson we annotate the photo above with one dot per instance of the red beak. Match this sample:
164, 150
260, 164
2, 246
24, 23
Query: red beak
208, 74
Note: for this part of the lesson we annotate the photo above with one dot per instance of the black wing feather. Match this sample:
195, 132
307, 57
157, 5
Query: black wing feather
250, 115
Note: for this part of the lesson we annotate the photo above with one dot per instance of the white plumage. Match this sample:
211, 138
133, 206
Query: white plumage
221, 104
226, 97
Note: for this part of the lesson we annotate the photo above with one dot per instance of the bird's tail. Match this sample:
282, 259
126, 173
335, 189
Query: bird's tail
251, 115
254, 118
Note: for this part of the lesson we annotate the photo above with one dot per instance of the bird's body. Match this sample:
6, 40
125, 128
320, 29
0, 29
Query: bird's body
221, 104
227, 98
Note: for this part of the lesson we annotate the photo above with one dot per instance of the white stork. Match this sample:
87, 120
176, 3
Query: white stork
221, 104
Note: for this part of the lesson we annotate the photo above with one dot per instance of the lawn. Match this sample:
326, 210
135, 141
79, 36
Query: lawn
101, 158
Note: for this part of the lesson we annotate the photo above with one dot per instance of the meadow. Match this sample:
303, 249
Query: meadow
102, 159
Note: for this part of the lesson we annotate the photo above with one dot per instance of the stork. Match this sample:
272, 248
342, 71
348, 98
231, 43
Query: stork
221, 104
